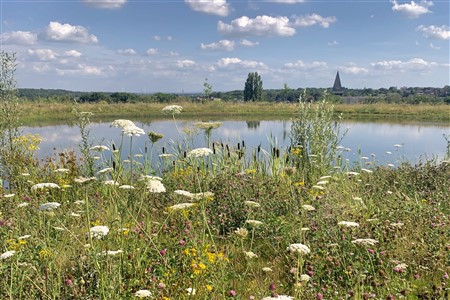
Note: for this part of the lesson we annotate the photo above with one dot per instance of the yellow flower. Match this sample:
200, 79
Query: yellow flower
209, 287
96, 222
45, 253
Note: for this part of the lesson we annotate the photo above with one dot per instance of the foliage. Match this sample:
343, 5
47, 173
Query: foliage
253, 90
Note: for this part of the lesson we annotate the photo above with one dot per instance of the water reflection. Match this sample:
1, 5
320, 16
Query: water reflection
364, 139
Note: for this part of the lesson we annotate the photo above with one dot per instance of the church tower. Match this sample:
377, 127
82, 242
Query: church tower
337, 87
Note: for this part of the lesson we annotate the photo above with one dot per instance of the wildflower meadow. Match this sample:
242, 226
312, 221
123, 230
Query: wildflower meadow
222, 221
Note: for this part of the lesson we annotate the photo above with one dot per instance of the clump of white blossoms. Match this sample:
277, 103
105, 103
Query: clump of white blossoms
44, 185
99, 148
155, 186
105, 170
242, 232
110, 182
82, 179
133, 131
279, 297
99, 231
180, 206
365, 242
194, 196
143, 294
122, 123
208, 125
348, 224
7, 254
191, 291
173, 109
250, 254
252, 204
308, 207
199, 152
49, 206
112, 252
304, 278
298, 248
126, 187
254, 223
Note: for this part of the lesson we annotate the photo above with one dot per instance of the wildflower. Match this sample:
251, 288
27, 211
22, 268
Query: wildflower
252, 204
180, 206
199, 152
112, 252
105, 170
149, 177
126, 187
82, 179
191, 291
209, 288
305, 229
267, 269
322, 182
366, 170
318, 187
400, 268
9, 195
184, 193
308, 207
154, 137
253, 223
352, 173
250, 254
99, 231
279, 297
208, 125
24, 237
72, 214
398, 224
143, 294
304, 277
172, 109
298, 248
242, 232
365, 242
133, 131
348, 224
7, 254
49, 206
155, 186
122, 123
41, 186
99, 148
390, 165
233, 293
165, 155
23, 204
110, 182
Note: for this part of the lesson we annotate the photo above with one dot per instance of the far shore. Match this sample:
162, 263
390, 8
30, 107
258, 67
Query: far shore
57, 113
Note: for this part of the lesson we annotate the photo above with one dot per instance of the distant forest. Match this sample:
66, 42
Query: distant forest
412, 95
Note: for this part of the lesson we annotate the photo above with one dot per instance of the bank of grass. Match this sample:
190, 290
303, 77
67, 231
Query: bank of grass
223, 223
45, 113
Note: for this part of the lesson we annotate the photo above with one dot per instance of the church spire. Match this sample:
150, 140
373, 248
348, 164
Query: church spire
337, 87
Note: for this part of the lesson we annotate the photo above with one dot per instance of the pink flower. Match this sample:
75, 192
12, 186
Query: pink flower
162, 252
319, 296
232, 293
370, 250
69, 282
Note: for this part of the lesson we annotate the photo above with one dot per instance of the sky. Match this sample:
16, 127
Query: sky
174, 46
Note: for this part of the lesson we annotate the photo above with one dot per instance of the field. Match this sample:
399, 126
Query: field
223, 221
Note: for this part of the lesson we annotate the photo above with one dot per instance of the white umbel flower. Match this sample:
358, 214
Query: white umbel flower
99, 231
7, 254
298, 248
172, 109
365, 242
44, 185
155, 186
99, 148
143, 294
348, 224
49, 206
122, 123
308, 207
200, 152
133, 131
180, 206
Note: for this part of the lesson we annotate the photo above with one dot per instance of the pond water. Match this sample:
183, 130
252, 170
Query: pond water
380, 140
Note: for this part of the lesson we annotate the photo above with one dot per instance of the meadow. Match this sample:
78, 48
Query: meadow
222, 221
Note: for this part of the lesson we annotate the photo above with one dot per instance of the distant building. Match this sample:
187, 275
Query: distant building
337, 87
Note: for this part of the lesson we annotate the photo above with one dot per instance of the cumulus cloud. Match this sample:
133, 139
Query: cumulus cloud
435, 32
412, 64
353, 69
287, 1
413, 9
248, 43
333, 43
300, 65
19, 37
69, 33
82, 69
434, 47
230, 62
313, 19
109, 4
72, 53
42, 54
226, 45
186, 63
152, 51
215, 7
128, 51
259, 26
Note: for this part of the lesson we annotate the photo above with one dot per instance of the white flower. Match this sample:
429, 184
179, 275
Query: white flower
126, 187
365, 242
172, 109
279, 297
298, 248
133, 131
352, 173
143, 294
61, 170
250, 254
149, 177
23, 204
242, 232
208, 125
24, 237
164, 155
105, 170
305, 229
41, 186
348, 224
155, 186
82, 179
366, 170
200, 152
99, 231
49, 206
72, 214
99, 148
253, 223
401, 267
319, 187
252, 204
184, 193
308, 207
180, 206
122, 123
112, 252
267, 269
7, 254
322, 182
9, 195
190, 291
110, 182
304, 277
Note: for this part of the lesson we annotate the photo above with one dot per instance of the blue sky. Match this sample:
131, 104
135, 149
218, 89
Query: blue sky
173, 46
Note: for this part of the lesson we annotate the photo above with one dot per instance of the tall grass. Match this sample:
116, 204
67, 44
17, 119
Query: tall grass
225, 221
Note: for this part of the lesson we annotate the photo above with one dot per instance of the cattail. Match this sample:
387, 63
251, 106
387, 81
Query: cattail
184, 154
163, 150
239, 146
243, 144
278, 153
259, 148
114, 147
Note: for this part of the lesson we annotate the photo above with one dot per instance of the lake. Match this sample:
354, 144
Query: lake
388, 142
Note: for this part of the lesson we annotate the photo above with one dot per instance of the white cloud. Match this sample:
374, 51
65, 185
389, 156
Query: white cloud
152, 51
169, 38
435, 32
287, 1
110, 4
82, 69
434, 47
413, 9
259, 26
313, 19
215, 7
353, 69
248, 43
173, 53
412, 64
128, 51
72, 53
69, 33
333, 43
42, 54
300, 65
186, 63
230, 62
157, 38
226, 45
19, 38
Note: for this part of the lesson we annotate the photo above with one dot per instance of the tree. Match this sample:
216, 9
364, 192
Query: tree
253, 89
207, 88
